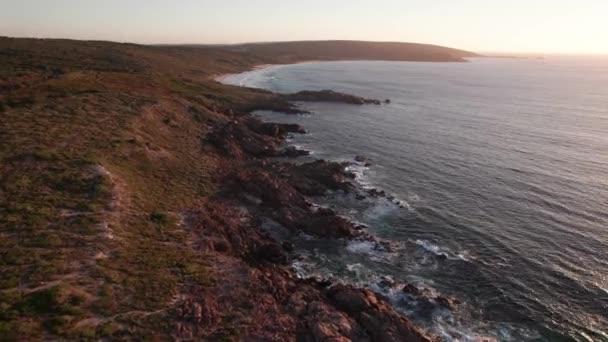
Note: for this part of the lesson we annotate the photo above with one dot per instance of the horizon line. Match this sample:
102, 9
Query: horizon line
482, 52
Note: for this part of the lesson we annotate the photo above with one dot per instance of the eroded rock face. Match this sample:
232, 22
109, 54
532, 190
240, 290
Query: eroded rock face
218, 227
315, 178
282, 189
374, 314
237, 140
264, 183
327, 223
426, 302
255, 296
267, 302
249, 137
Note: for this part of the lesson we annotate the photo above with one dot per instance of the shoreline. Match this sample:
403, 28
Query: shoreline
347, 230
140, 199
281, 192
140, 214
222, 77
417, 242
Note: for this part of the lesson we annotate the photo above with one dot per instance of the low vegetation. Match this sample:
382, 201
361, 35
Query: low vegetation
102, 152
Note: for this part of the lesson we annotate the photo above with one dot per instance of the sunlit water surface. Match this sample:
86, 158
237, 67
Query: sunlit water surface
500, 165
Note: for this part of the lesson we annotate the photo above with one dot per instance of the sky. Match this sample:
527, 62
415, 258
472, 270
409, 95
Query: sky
527, 26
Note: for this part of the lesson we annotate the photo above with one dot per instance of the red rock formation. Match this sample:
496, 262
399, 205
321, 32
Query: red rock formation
256, 298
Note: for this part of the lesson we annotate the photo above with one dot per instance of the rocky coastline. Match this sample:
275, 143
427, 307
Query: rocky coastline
255, 187
136, 194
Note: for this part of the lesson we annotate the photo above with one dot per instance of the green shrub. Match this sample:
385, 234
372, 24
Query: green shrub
158, 217
19, 103
40, 302
7, 331
56, 324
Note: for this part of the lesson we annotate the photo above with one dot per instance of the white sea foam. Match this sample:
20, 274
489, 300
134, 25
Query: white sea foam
367, 247
302, 269
360, 172
364, 175
439, 182
443, 251
429, 246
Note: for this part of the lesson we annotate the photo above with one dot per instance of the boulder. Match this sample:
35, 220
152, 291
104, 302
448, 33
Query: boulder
294, 152
268, 252
447, 302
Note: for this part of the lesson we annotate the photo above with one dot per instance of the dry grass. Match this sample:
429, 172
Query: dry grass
92, 145
101, 150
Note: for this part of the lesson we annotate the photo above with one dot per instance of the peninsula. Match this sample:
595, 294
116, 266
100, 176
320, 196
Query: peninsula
133, 186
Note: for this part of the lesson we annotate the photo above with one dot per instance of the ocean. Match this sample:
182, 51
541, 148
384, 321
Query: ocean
497, 175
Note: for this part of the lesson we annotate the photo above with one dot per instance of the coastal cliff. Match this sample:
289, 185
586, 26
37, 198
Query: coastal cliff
133, 187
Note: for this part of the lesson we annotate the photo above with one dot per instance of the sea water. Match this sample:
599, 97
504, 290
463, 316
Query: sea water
499, 173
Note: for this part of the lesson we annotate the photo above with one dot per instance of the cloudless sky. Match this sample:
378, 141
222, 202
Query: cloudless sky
551, 26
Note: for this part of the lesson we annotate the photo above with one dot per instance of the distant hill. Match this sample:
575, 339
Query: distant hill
359, 50
24, 54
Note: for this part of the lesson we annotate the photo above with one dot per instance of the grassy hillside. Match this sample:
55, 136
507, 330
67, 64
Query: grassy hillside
102, 150
287, 52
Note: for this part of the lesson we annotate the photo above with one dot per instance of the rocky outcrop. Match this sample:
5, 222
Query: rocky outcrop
257, 295
276, 130
294, 152
426, 301
274, 103
374, 314
315, 178
237, 140
329, 96
280, 190
250, 137
284, 103
257, 298
217, 226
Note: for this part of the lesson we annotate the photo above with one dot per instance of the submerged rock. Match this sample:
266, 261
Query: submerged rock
447, 302
376, 193
386, 282
294, 152
413, 290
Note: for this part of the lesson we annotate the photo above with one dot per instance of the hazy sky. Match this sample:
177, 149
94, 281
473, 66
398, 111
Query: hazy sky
563, 26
